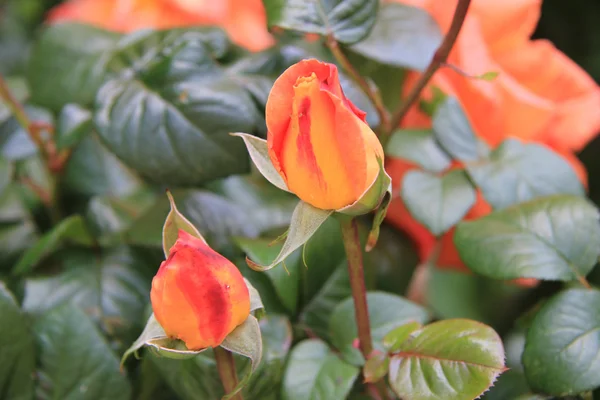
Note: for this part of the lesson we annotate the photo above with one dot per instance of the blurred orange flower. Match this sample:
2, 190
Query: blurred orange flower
244, 20
540, 95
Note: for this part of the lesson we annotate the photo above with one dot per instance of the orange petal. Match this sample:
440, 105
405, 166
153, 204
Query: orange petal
246, 24
506, 23
94, 12
244, 20
279, 104
573, 95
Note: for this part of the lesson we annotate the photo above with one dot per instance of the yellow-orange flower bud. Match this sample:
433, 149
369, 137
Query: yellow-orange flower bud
198, 295
319, 142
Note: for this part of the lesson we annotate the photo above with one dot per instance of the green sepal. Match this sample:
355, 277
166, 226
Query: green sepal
245, 340
372, 197
174, 222
259, 154
306, 219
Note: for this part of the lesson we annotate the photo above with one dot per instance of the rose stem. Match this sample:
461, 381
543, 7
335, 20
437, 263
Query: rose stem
227, 372
359, 293
439, 58
33, 129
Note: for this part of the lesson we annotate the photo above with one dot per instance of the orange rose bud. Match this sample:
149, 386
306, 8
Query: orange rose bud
198, 295
319, 142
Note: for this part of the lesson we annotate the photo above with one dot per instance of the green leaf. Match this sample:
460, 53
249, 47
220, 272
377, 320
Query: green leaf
18, 352
92, 170
392, 261
438, 202
17, 229
386, 312
403, 36
70, 60
321, 256
112, 289
72, 229
454, 133
453, 359
348, 21
315, 372
518, 172
15, 142
175, 222
551, 238
259, 153
15, 238
109, 217
306, 219
442, 289
420, 147
562, 349
170, 111
478, 300
75, 360
6, 174
191, 379
510, 385
316, 314
394, 339
18, 88
246, 341
74, 123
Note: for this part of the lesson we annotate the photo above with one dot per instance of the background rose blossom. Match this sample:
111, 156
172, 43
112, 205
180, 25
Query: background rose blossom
244, 20
539, 95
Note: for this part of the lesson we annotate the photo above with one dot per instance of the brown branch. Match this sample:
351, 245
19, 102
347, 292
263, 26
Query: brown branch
52, 160
372, 94
439, 58
17, 109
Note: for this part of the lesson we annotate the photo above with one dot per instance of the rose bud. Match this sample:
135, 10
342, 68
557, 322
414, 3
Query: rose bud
198, 296
318, 141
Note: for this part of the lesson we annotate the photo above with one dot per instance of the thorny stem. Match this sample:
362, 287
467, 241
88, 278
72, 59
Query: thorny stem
439, 58
369, 91
227, 371
357, 284
51, 159
584, 282
21, 116
359, 293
